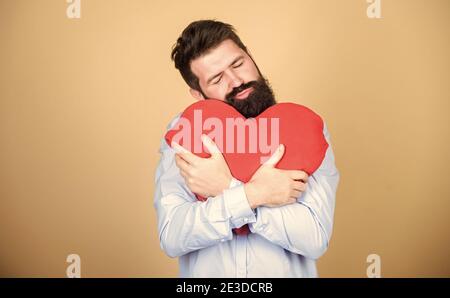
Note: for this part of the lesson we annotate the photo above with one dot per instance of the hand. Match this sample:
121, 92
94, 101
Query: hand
273, 187
204, 176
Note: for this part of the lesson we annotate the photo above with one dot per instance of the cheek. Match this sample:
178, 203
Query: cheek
250, 73
217, 92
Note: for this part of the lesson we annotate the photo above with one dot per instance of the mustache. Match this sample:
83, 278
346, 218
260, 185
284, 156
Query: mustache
241, 88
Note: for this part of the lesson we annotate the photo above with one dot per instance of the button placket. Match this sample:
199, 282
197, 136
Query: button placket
241, 256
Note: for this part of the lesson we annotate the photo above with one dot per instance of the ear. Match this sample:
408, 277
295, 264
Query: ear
196, 94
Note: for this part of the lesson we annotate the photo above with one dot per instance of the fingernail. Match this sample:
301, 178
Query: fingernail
205, 137
175, 145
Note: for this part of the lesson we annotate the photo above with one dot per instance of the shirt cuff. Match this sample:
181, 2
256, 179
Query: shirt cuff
260, 226
234, 182
237, 206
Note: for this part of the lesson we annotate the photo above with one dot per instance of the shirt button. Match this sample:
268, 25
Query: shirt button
223, 240
245, 219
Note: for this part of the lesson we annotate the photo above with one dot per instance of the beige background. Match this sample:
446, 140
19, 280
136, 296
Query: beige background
84, 103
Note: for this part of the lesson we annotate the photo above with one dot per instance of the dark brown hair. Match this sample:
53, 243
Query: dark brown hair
197, 39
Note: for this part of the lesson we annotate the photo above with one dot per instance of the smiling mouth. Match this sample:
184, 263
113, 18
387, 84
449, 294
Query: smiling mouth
244, 93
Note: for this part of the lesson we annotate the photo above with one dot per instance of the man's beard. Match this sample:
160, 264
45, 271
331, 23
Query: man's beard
256, 102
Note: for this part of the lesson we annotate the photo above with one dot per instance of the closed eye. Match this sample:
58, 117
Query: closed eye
238, 65
217, 81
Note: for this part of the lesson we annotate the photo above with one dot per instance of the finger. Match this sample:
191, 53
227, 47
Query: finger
298, 175
184, 153
275, 158
181, 163
210, 145
291, 200
178, 148
295, 194
300, 186
183, 174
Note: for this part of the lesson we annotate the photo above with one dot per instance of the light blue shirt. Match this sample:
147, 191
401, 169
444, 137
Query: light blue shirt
285, 241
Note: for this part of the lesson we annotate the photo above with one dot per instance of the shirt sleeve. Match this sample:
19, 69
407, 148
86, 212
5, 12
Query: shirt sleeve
186, 224
304, 227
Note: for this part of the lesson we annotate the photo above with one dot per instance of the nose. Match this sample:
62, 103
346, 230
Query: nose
235, 80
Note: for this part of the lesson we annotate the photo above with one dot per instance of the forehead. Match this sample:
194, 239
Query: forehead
216, 59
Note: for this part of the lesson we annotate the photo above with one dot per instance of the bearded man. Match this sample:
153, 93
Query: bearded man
289, 214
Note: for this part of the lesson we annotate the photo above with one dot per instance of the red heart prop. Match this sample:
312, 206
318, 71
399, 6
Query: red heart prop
247, 143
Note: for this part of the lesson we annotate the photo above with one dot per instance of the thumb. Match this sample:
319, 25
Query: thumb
210, 145
276, 157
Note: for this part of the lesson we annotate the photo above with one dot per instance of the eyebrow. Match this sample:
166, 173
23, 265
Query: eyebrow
232, 63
